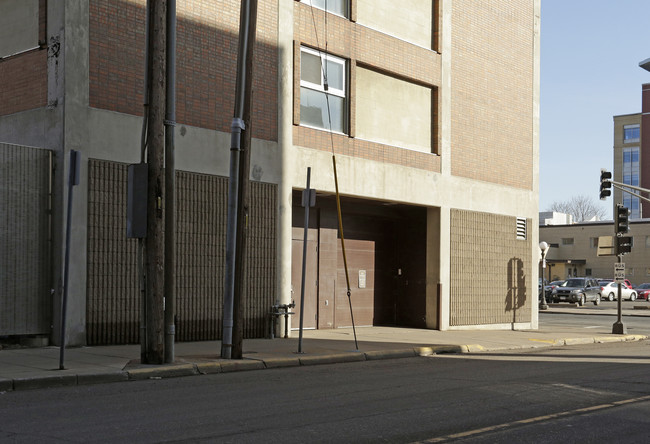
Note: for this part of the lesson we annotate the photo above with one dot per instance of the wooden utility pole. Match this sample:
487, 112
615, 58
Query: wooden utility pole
155, 352
243, 204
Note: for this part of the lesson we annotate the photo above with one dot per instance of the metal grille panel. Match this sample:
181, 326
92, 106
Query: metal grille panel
25, 184
490, 269
200, 257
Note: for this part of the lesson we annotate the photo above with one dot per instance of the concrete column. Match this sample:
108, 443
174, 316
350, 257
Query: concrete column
285, 145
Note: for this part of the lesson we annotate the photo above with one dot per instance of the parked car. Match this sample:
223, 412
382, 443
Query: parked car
610, 292
548, 289
643, 291
579, 289
603, 282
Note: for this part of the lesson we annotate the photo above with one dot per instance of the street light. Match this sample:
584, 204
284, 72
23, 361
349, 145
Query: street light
645, 64
544, 247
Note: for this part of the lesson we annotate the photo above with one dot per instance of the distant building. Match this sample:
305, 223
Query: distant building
554, 218
628, 158
574, 251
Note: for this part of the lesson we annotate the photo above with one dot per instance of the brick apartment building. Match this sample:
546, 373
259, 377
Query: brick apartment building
435, 110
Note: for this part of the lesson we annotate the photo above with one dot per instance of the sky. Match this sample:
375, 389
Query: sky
590, 54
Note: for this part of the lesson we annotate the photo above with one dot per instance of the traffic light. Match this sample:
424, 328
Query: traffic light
621, 220
605, 184
623, 244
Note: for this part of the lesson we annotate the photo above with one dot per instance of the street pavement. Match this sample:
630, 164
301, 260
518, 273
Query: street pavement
38, 367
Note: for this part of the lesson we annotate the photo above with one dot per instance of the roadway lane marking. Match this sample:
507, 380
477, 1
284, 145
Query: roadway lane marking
534, 420
581, 389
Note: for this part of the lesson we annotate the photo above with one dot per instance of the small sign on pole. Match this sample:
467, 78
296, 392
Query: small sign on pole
606, 246
619, 272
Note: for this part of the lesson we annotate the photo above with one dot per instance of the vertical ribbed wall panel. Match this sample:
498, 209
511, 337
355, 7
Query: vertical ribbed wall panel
490, 270
261, 260
112, 308
25, 299
200, 255
201, 206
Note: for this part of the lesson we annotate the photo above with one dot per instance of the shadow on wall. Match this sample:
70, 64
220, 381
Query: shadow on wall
516, 297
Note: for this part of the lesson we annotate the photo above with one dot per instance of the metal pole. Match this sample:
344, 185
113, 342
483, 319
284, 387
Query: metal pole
543, 305
170, 186
618, 328
304, 258
236, 128
72, 181
243, 198
231, 238
142, 276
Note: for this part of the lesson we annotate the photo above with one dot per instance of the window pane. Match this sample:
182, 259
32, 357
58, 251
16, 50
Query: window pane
627, 156
339, 7
334, 72
310, 68
631, 133
313, 110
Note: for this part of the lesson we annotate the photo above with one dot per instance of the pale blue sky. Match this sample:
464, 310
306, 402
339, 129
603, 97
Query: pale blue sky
590, 54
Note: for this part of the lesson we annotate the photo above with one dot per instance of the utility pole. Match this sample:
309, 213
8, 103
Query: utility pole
243, 204
170, 186
237, 127
155, 160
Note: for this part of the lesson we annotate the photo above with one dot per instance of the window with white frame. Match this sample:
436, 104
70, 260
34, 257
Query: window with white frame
631, 133
631, 177
323, 102
338, 7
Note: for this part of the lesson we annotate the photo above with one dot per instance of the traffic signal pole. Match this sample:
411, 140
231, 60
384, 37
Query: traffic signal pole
623, 244
621, 227
618, 328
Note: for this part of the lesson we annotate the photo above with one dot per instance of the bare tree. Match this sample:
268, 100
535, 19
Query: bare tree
582, 208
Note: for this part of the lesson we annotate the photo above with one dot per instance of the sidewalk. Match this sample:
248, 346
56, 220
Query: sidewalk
30, 368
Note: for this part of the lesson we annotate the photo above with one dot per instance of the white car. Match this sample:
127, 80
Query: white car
610, 292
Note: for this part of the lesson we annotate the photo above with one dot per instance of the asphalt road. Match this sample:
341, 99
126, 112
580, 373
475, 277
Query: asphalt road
596, 393
595, 319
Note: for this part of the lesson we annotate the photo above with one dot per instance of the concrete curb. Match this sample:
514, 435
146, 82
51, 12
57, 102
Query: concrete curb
224, 366
169, 371
336, 358
39, 382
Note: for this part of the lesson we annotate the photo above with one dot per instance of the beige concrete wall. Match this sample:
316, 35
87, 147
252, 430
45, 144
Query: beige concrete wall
18, 26
409, 20
392, 111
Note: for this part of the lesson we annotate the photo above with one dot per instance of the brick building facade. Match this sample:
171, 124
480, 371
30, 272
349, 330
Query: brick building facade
435, 125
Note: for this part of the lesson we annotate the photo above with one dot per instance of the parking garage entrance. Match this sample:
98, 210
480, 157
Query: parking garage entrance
386, 253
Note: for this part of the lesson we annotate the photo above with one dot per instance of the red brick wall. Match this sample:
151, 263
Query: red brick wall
645, 145
24, 76
207, 36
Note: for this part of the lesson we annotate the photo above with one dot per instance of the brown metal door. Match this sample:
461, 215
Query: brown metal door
311, 285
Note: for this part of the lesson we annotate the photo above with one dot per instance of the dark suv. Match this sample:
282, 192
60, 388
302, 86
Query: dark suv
579, 289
